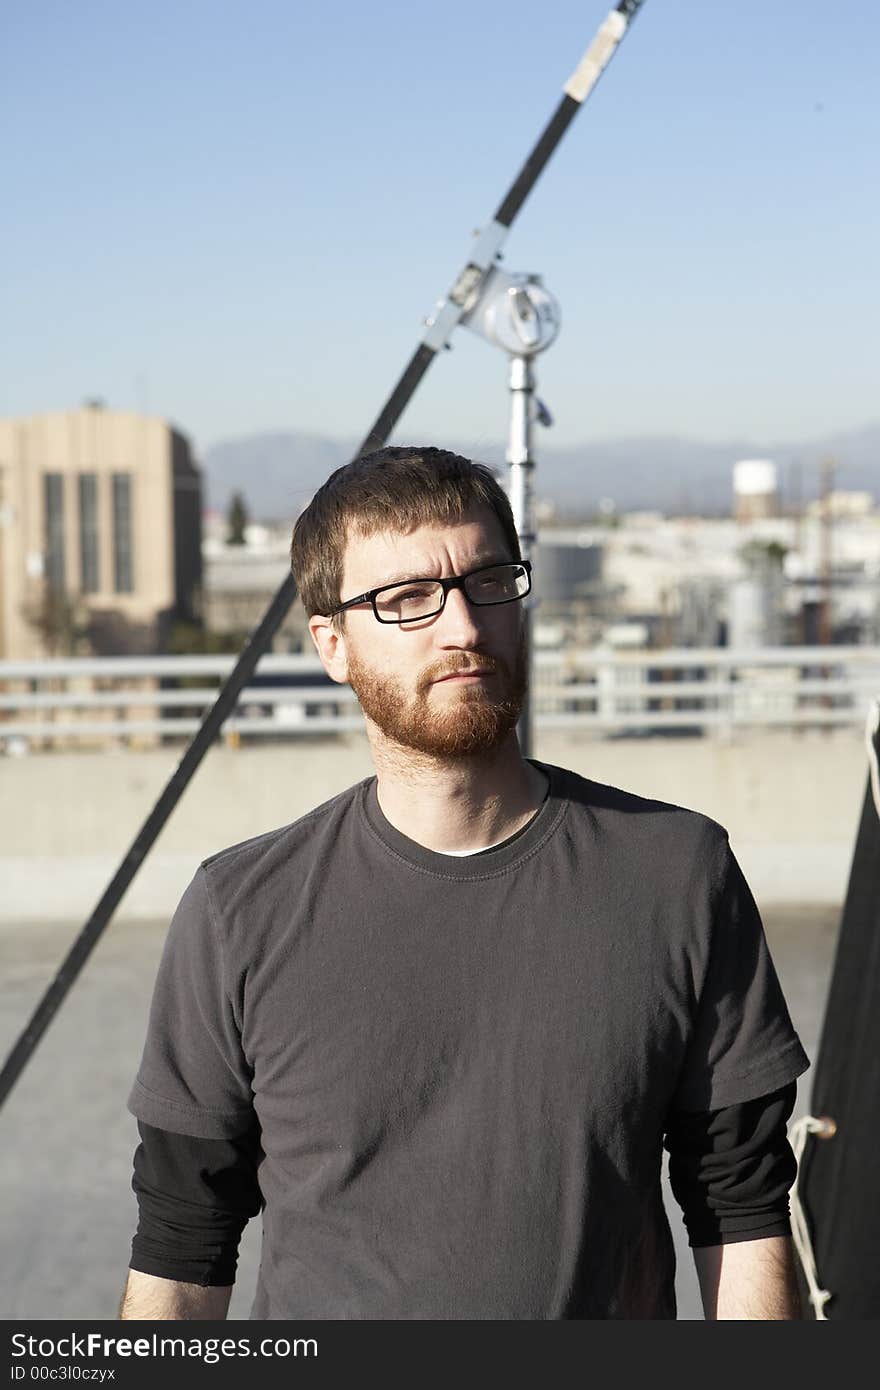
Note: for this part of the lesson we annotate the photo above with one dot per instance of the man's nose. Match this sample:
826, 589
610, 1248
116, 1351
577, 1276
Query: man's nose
461, 623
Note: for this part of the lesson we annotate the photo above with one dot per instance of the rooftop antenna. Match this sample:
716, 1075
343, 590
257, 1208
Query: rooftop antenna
826, 522
449, 312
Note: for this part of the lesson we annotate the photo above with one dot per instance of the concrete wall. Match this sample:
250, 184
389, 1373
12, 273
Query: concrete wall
790, 802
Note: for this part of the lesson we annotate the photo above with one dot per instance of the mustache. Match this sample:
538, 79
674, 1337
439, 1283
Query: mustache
460, 669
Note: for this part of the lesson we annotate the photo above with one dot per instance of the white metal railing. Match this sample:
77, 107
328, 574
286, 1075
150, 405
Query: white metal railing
696, 690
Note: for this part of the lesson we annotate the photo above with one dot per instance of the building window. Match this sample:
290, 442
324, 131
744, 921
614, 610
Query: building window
123, 570
88, 532
53, 495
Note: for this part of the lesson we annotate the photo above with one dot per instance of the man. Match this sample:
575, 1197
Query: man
441, 1027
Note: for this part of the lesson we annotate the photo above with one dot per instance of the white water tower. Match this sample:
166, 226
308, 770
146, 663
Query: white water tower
755, 489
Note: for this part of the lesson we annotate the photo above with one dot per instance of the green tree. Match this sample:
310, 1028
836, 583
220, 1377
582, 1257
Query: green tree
760, 554
236, 519
60, 618
191, 639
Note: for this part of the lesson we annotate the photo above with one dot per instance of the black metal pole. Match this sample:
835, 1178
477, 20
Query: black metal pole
446, 316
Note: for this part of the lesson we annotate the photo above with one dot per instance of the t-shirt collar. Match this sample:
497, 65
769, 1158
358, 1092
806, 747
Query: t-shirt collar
480, 864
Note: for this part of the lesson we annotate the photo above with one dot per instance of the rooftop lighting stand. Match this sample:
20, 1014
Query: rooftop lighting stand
517, 314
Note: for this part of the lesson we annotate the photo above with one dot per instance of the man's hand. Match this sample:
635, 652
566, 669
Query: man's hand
748, 1280
149, 1298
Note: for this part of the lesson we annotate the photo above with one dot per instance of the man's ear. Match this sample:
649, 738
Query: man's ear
330, 646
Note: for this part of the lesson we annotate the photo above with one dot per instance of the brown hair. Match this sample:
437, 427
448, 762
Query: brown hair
393, 489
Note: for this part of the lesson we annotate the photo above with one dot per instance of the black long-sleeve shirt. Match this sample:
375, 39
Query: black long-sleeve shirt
730, 1171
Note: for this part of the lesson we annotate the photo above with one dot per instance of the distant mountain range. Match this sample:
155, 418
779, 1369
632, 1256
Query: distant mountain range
278, 473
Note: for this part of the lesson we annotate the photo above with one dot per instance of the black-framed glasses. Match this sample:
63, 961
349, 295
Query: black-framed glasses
411, 600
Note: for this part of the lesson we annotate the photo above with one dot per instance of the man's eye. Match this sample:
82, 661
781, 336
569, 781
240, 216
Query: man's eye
491, 583
410, 595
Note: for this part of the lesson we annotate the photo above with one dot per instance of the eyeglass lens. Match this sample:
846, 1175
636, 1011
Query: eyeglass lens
410, 601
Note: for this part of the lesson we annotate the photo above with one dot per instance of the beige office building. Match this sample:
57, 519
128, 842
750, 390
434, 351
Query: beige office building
100, 534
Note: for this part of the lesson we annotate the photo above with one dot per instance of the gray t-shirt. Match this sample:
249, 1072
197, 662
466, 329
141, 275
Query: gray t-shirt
463, 1067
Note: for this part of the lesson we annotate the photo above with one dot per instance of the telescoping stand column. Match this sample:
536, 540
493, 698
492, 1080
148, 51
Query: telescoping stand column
517, 314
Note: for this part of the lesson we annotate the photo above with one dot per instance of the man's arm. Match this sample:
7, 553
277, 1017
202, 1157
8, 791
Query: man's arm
149, 1298
748, 1279
194, 1198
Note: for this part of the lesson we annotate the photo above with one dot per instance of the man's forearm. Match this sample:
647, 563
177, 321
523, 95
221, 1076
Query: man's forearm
749, 1280
149, 1298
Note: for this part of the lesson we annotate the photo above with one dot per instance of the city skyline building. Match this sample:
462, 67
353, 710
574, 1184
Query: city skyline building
100, 533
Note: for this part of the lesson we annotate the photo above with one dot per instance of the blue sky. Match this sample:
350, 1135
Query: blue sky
237, 215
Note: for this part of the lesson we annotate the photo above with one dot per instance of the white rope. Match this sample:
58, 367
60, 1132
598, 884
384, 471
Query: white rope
871, 726
824, 1127
797, 1136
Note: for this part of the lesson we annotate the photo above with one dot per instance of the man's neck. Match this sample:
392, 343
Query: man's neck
462, 804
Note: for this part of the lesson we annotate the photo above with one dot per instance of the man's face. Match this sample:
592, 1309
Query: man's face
400, 672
